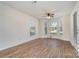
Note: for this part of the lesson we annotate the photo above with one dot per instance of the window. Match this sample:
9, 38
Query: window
45, 28
56, 27
53, 27
32, 31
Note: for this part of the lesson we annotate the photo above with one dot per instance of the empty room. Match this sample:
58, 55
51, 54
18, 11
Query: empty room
39, 29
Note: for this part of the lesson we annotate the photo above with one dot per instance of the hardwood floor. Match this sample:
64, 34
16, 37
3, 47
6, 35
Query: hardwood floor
41, 48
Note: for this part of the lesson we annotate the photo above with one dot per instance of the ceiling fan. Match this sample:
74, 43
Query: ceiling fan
34, 2
49, 15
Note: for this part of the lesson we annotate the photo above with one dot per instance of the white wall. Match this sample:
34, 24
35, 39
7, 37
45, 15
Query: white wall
16, 26
66, 27
42, 28
78, 27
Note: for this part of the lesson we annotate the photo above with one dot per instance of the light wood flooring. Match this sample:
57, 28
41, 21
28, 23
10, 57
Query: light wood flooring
41, 48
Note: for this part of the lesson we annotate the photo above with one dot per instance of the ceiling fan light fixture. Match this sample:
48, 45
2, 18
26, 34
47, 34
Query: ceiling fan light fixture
48, 17
34, 2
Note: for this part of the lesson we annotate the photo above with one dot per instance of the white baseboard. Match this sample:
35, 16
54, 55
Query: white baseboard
16, 44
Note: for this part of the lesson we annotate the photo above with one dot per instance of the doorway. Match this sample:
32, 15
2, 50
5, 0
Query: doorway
75, 28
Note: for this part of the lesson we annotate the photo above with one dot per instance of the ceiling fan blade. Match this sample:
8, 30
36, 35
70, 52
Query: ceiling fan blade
52, 14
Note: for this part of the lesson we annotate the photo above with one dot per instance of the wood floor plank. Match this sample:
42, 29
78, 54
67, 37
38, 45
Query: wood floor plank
41, 48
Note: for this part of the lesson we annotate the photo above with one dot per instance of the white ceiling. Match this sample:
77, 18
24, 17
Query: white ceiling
39, 9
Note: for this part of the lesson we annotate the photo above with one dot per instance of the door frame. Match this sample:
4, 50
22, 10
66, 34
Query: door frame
75, 28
